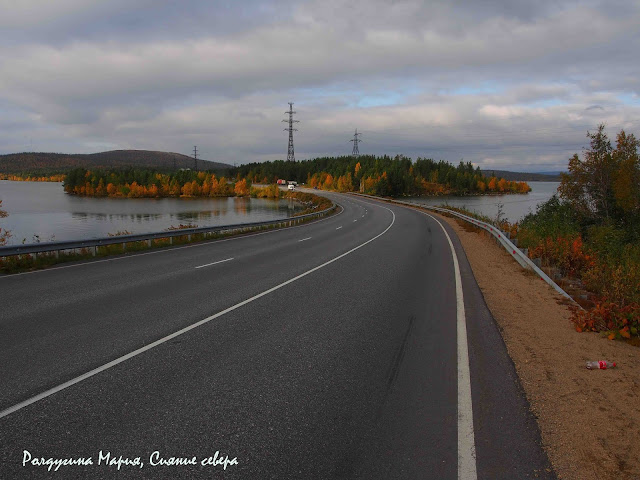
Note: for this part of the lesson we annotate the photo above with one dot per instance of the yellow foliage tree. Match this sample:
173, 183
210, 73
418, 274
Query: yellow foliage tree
345, 183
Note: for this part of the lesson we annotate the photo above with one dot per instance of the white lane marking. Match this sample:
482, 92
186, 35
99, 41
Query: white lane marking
123, 358
356, 220
338, 228
172, 249
466, 440
308, 238
215, 263
362, 216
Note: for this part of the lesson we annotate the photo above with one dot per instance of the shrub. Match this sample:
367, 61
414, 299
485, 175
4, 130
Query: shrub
615, 320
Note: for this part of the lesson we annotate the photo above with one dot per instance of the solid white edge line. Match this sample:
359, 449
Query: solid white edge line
338, 228
466, 440
171, 249
215, 263
119, 360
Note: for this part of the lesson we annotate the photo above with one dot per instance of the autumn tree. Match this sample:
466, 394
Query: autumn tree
588, 186
345, 183
4, 234
241, 188
328, 182
626, 180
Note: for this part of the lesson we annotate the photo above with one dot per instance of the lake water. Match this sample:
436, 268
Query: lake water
514, 207
43, 209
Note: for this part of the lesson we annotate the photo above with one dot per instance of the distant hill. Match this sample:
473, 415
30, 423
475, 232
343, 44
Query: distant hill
524, 176
50, 163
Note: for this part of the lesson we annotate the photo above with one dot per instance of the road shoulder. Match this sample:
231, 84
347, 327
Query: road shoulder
588, 419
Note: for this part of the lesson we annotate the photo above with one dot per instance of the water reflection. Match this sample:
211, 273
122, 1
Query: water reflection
102, 217
44, 209
241, 206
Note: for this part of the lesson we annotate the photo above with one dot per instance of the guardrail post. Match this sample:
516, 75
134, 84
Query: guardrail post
189, 237
95, 250
170, 240
124, 246
149, 243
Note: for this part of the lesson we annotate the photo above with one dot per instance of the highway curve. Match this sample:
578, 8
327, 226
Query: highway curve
327, 350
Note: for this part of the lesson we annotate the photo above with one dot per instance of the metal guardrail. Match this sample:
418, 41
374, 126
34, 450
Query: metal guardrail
35, 248
500, 236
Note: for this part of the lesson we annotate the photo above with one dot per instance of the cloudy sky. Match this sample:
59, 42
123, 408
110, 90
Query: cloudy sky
512, 84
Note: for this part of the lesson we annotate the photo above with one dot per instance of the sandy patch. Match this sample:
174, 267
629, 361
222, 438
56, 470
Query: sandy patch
590, 420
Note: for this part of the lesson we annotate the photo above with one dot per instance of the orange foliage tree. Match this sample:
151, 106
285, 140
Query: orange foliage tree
328, 182
241, 188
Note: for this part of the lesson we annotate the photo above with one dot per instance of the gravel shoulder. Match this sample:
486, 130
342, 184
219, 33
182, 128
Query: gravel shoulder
589, 420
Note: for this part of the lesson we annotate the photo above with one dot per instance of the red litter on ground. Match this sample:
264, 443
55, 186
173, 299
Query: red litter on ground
600, 364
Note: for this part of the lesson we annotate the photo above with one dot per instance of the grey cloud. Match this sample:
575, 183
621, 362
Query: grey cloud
312, 56
168, 75
66, 21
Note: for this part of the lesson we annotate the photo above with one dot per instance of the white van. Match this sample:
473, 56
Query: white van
291, 186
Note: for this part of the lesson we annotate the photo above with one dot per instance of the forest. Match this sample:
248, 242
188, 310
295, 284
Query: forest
384, 176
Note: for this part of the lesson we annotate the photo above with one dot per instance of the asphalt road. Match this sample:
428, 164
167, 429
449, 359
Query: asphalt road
327, 350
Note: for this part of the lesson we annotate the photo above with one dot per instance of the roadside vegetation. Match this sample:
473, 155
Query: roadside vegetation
590, 232
312, 203
4, 233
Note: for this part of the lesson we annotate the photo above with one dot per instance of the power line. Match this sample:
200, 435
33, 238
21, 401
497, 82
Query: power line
290, 155
355, 153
